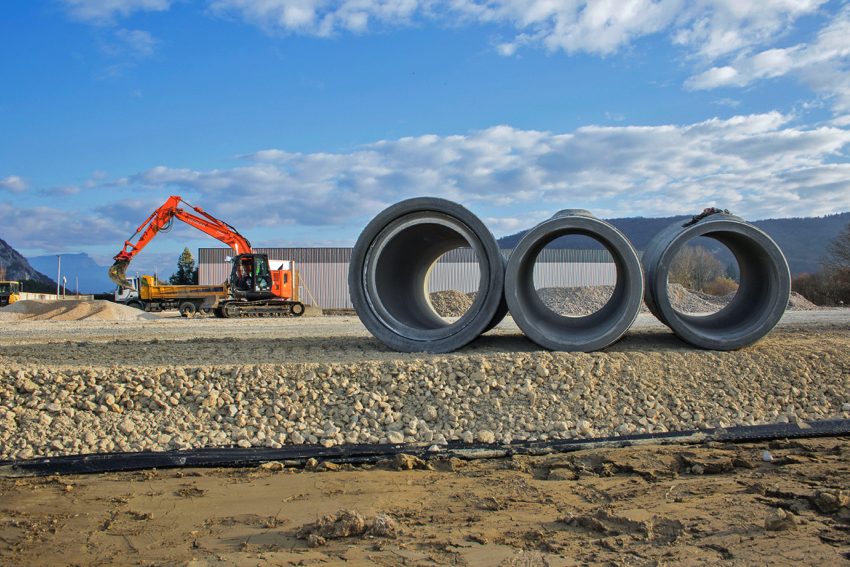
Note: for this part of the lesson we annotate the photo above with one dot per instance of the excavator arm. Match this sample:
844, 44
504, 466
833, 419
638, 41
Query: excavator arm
161, 220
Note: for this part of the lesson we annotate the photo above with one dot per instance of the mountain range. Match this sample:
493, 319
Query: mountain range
802, 240
17, 267
76, 268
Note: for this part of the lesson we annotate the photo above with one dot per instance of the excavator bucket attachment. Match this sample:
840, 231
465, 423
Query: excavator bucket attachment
118, 274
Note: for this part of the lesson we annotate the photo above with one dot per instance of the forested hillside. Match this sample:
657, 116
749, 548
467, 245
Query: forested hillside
802, 240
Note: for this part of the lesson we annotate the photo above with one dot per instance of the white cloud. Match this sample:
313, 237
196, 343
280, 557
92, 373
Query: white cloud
52, 230
14, 184
137, 43
708, 28
510, 225
727, 102
823, 64
755, 165
320, 17
104, 12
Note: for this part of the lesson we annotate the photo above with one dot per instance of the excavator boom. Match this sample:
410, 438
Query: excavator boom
161, 220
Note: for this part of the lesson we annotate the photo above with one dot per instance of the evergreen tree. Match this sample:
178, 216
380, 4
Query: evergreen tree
186, 274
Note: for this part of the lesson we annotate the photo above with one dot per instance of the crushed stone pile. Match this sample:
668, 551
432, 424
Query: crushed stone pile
799, 303
685, 300
55, 409
71, 310
450, 303
575, 300
586, 300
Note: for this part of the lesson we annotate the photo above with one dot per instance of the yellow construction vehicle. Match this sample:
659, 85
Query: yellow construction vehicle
10, 292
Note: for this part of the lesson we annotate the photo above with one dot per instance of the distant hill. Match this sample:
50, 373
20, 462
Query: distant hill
17, 268
92, 277
802, 240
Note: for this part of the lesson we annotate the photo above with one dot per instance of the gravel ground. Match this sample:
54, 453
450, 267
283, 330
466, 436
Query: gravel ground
171, 383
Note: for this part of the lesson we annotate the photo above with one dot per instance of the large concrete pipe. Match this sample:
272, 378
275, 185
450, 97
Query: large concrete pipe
390, 266
558, 332
762, 295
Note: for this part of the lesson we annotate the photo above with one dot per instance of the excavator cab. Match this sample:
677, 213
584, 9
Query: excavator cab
250, 277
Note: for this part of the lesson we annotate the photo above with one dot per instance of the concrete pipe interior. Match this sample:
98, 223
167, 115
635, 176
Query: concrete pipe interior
398, 266
576, 333
758, 304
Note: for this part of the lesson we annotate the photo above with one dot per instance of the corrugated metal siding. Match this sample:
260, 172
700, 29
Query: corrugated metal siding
325, 270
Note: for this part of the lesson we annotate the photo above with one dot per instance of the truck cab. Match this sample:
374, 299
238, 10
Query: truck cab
10, 292
126, 294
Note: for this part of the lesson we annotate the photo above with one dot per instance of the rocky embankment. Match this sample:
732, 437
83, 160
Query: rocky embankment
53, 410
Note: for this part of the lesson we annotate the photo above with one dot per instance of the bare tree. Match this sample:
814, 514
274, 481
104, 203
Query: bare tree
694, 267
837, 260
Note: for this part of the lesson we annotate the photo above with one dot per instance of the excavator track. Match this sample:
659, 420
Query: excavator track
263, 308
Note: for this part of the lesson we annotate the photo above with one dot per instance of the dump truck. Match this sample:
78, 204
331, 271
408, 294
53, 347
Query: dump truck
147, 295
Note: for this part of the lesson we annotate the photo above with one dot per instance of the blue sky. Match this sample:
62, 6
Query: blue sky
298, 120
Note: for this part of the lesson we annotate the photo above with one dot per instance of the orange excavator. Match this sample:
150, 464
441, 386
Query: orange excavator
258, 287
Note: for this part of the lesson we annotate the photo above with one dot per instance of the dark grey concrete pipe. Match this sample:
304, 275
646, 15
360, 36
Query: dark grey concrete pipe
557, 332
390, 265
762, 294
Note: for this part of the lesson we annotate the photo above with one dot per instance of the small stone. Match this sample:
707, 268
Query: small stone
315, 541
395, 437
404, 462
846, 407
829, 502
429, 413
467, 437
272, 466
767, 457
485, 436
780, 520
127, 427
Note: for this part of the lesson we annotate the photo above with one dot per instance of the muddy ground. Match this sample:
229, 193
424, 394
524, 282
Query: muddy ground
708, 504
633, 506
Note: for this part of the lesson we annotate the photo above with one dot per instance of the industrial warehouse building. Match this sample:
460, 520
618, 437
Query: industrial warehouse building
324, 271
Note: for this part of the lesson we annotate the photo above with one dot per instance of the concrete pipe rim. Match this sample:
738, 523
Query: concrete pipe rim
391, 263
574, 333
391, 317
759, 303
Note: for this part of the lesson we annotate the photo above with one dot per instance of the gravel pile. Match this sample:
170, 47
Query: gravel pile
575, 300
799, 303
586, 300
71, 310
450, 303
54, 410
